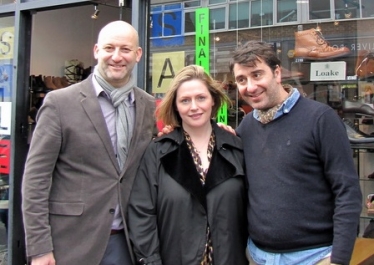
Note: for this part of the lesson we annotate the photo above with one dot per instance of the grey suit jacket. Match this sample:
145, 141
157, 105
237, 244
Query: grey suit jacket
72, 182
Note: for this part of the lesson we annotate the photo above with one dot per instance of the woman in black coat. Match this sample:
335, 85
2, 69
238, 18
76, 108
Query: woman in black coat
188, 202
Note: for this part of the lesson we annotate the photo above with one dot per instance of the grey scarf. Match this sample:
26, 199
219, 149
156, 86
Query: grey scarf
124, 126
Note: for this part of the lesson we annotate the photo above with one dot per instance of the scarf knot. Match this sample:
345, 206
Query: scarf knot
267, 116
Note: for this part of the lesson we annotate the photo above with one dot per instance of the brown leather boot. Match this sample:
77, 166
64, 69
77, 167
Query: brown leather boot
310, 44
64, 81
49, 82
57, 82
364, 64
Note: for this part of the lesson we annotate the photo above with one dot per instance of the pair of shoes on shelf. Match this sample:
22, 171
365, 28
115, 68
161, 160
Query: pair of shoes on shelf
357, 107
365, 64
49, 83
55, 82
356, 136
37, 84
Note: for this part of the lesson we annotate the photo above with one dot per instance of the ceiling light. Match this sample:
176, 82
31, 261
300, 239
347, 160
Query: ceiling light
95, 15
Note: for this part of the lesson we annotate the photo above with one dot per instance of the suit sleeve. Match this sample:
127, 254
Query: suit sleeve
37, 178
142, 211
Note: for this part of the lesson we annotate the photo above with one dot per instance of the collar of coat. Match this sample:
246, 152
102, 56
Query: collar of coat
226, 162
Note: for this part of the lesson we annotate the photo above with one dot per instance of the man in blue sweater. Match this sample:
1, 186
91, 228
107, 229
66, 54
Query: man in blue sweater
304, 194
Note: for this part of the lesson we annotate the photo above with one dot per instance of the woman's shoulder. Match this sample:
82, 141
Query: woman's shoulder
224, 137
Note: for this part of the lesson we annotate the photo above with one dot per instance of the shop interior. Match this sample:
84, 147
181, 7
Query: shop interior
57, 66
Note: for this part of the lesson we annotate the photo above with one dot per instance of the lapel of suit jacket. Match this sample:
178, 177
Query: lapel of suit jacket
138, 126
93, 110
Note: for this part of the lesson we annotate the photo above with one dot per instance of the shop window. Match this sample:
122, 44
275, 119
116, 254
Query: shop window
286, 11
164, 20
319, 10
261, 13
173, 20
343, 9
164, 24
189, 15
167, 21
239, 15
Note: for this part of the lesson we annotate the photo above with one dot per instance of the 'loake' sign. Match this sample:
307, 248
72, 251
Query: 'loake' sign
328, 71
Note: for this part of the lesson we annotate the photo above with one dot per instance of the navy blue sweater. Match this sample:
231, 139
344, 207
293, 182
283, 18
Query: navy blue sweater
303, 186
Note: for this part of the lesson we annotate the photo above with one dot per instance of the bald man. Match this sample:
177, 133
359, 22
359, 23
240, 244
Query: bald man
83, 157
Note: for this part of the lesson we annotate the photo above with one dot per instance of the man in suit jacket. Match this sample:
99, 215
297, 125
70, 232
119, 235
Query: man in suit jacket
83, 157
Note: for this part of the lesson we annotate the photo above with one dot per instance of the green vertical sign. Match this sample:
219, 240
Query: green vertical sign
222, 114
202, 47
202, 44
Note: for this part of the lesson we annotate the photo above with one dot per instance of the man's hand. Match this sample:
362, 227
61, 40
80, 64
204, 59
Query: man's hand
226, 128
47, 259
167, 129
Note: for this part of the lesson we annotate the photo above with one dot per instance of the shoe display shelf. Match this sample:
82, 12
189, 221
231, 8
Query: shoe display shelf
328, 92
363, 253
362, 144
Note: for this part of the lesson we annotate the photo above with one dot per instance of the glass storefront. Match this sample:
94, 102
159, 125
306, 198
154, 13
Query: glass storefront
291, 26
340, 68
183, 33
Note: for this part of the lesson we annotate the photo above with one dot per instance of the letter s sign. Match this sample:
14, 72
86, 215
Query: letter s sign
169, 25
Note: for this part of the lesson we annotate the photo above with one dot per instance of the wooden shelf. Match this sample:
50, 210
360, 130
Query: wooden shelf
363, 252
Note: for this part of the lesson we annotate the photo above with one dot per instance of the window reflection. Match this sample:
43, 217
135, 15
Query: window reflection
367, 8
188, 4
346, 9
319, 9
286, 11
261, 13
211, 2
239, 15
189, 22
217, 18
6, 2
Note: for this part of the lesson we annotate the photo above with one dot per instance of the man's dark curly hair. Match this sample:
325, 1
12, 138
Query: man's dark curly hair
251, 52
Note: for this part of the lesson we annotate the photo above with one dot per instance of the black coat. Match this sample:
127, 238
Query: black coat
169, 208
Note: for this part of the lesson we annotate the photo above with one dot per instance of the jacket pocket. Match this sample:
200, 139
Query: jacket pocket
66, 208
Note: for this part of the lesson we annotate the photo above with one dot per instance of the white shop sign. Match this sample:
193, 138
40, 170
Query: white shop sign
327, 71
